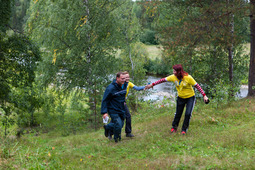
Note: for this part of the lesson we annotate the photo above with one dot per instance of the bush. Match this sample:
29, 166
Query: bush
148, 37
157, 66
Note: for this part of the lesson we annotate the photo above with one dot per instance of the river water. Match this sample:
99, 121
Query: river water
167, 90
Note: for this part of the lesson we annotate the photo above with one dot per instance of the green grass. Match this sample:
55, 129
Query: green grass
247, 48
154, 51
218, 138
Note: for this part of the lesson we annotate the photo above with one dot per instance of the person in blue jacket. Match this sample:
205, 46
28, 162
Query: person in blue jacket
128, 127
113, 105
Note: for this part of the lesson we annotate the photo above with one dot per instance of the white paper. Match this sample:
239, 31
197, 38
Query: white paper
105, 120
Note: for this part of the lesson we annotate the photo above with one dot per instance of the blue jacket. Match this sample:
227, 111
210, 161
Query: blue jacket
114, 98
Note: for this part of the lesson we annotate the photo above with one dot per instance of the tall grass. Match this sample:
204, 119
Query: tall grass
218, 138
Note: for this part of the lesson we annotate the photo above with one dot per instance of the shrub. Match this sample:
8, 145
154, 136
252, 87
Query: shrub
148, 37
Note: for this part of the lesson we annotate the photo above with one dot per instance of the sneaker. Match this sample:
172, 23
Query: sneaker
130, 135
173, 130
183, 133
106, 132
117, 140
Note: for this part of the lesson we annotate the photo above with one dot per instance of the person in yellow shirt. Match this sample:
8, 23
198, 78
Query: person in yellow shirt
128, 127
186, 96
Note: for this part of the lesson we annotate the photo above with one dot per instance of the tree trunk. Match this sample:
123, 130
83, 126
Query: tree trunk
92, 94
86, 4
230, 50
251, 84
5, 127
95, 106
230, 59
130, 57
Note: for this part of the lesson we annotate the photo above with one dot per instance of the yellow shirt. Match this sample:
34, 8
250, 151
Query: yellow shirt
184, 86
130, 85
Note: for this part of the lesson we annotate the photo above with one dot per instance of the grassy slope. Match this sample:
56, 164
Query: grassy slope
221, 138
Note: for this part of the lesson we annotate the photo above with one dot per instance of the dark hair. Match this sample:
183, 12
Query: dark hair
119, 73
180, 72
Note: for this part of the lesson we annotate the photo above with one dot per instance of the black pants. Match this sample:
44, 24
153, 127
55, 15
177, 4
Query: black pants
128, 128
189, 102
115, 125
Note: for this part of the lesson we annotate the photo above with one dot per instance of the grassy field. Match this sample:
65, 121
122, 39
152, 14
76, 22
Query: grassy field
218, 138
247, 48
154, 51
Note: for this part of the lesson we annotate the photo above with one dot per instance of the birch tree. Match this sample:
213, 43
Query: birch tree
79, 43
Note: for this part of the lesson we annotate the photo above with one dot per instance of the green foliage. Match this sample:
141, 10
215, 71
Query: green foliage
148, 37
149, 14
128, 26
220, 93
18, 61
139, 57
133, 54
18, 17
79, 40
158, 66
78, 46
8, 120
210, 68
27, 100
201, 37
137, 10
135, 66
5, 13
66, 112
146, 14
17, 69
